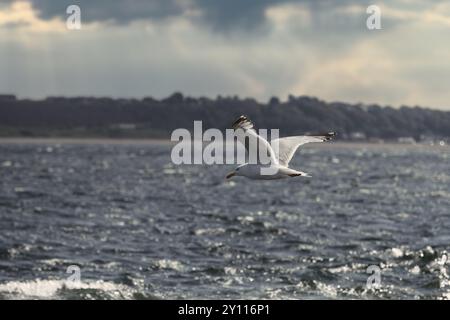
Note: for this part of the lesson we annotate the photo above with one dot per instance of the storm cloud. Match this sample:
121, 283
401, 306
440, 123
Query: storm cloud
221, 15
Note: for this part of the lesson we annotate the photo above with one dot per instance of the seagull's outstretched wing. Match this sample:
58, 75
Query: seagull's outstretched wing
288, 145
261, 145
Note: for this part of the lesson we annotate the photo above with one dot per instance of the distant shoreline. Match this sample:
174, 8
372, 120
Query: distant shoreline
143, 141
135, 119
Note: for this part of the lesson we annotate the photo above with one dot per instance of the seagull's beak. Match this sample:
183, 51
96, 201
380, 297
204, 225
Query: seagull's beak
230, 175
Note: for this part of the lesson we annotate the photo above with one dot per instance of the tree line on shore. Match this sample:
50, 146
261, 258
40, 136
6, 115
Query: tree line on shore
152, 118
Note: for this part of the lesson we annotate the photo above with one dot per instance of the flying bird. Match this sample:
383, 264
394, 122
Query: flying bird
278, 168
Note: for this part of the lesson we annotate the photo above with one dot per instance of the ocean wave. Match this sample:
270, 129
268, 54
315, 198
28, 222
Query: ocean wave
65, 289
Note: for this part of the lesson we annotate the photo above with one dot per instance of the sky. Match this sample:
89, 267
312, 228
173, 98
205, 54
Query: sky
249, 48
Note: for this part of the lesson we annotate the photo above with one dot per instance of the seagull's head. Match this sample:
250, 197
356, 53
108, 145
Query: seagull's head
235, 172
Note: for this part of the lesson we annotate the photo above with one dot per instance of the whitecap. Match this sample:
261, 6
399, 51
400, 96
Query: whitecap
326, 290
230, 270
7, 164
209, 231
396, 252
342, 269
415, 270
169, 264
49, 289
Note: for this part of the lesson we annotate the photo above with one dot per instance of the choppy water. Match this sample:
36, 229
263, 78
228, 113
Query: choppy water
140, 227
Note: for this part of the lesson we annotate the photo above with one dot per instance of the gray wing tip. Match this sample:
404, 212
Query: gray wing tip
329, 135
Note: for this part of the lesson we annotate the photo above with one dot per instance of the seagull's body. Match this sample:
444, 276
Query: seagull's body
253, 171
279, 159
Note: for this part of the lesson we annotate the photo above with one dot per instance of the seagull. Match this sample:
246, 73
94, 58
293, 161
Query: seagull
279, 161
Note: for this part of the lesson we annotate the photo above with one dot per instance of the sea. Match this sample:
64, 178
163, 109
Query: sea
101, 219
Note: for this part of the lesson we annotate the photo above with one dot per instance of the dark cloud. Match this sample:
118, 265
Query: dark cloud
219, 14
229, 14
120, 11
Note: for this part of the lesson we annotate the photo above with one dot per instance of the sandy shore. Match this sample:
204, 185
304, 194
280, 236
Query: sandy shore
81, 141
125, 141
